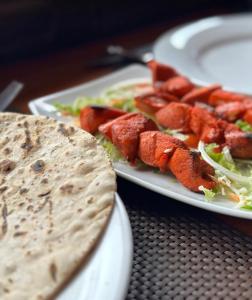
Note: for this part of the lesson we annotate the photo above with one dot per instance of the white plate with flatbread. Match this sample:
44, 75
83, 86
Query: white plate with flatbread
107, 273
63, 230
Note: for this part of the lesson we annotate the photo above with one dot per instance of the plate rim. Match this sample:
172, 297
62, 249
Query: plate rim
167, 35
127, 252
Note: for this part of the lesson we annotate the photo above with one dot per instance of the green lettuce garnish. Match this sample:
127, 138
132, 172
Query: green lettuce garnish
110, 148
243, 125
175, 132
221, 158
209, 194
124, 104
75, 108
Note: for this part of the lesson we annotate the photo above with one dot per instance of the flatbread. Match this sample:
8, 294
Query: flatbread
56, 195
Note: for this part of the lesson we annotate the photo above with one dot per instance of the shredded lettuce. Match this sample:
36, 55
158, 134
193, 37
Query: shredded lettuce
247, 206
243, 125
125, 92
124, 104
239, 192
176, 133
223, 158
75, 108
110, 148
209, 194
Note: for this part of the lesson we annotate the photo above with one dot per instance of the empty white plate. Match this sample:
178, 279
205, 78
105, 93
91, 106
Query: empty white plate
212, 50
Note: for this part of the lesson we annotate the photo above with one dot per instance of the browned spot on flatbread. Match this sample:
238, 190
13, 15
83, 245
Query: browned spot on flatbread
44, 194
7, 151
4, 216
19, 233
44, 180
38, 166
66, 131
43, 204
23, 191
7, 166
27, 145
30, 208
67, 188
3, 189
50, 213
53, 271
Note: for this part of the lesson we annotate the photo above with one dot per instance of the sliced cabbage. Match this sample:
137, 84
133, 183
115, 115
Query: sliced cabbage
243, 125
209, 194
175, 133
230, 183
75, 108
219, 162
110, 148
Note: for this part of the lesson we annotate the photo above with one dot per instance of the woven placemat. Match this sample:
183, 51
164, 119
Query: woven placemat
181, 252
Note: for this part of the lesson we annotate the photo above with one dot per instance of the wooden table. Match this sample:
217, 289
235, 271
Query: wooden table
66, 68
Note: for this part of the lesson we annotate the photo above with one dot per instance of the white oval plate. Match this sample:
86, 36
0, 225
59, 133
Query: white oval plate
216, 49
107, 273
164, 184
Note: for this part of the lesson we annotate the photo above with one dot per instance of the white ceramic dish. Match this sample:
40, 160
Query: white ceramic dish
164, 184
216, 49
107, 273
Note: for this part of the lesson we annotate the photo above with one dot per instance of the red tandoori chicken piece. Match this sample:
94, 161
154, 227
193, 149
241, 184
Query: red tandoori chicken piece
175, 116
91, 117
168, 153
156, 148
220, 97
106, 128
200, 94
191, 170
124, 133
161, 72
248, 116
178, 86
234, 110
240, 143
231, 111
192, 140
151, 103
205, 125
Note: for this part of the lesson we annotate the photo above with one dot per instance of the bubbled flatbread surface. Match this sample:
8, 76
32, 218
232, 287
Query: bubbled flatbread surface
57, 192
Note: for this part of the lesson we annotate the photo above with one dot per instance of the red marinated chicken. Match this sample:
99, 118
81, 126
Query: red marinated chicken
175, 116
124, 133
91, 117
159, 150
178, 86
151, 103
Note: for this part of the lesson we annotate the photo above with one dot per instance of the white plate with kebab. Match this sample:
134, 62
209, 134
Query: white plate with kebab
162, 132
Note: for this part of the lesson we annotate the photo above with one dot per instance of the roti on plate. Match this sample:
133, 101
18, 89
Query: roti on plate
57, 192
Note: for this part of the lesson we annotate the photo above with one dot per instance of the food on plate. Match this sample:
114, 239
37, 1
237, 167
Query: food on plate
165, 152
202, 135
124, 133
92, 117
57, 193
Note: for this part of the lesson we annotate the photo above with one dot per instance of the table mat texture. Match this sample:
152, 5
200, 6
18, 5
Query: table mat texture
181, 252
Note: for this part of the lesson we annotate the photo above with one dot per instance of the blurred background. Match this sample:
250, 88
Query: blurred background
29, 28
